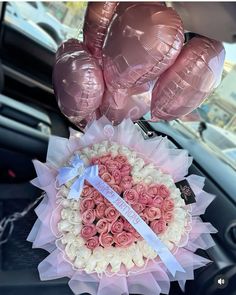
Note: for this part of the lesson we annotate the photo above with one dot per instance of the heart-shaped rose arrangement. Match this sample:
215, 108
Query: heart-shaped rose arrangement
95, 236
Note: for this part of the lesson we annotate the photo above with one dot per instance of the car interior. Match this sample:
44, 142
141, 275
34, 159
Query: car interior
28, 116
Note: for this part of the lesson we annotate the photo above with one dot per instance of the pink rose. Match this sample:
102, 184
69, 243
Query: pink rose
137, 235
144, 198
117, 176
128, 227
107, 203
105, 158
95, 161
103, 226
126, 182
168, 205
108, 178
163, 191
121, 159
152, 213
92, 243
97, 197
138, 207
157, 202
101, 169
88, 231
112, 165
123, 239
167, 216
116, 188
140, 188
153, 190
88, 216
87, 190
106, 240
111, 213
158, 226
100, 210
125, 170
131, 196
86, 203
144, 217
117, 226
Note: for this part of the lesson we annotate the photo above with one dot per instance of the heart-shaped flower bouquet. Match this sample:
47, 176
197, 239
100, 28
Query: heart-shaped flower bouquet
113, 218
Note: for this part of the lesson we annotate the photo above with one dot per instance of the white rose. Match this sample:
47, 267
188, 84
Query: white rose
173, 190
79, 241
74, 217
64, 225
65, 203
96, 146
173, 234
92, 154
125, 151
101, 266
71, 250
138, 164
105, 143
99, 253
115, 263
126, 258
147, 250
68, 238
65, 213
74, 205
64, 191
79, 262
179, 213
83, 252
77, 229
84, 159
132, 158
177, 192
102, 150
137, 177
148, 169
179, 202
157, 176
148, 179
137, 256
110, 252
113, 150
86, 151
90, 265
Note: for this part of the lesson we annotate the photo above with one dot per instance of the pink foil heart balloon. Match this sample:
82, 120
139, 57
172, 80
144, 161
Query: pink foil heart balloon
193, 76
141, 44
77, 81
136, 104
97, 19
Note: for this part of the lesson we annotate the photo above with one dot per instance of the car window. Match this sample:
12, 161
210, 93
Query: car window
48, 23
33, 4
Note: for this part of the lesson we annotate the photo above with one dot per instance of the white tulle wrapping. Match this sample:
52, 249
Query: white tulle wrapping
155, 279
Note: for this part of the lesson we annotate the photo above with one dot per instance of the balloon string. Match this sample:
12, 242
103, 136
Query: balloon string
107, 110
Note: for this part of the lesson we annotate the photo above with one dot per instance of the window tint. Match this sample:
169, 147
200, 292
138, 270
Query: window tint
49, 23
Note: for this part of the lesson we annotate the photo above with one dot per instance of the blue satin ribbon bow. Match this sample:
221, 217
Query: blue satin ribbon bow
78, 171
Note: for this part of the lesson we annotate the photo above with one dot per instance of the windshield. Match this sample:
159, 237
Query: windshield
48, 23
